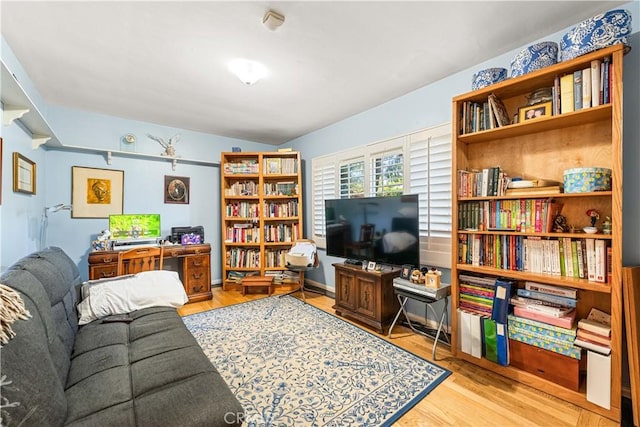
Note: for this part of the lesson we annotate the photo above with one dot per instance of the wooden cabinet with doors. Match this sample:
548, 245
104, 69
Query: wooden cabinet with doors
366, 296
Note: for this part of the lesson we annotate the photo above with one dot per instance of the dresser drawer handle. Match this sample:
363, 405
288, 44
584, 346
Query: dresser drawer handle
197, 275
110, 274
109, 259
198, 289
197, 263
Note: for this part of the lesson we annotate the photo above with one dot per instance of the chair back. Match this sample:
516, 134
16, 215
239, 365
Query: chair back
140, 259
366, 232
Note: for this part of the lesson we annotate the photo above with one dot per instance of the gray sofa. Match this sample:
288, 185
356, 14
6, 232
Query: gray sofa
148, 372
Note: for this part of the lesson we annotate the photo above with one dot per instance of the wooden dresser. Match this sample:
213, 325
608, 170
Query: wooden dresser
192, 262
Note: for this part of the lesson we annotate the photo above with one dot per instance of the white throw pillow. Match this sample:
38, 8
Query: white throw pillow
123, 295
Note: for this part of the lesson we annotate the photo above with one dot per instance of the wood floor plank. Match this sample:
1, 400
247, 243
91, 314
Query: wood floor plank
471, 396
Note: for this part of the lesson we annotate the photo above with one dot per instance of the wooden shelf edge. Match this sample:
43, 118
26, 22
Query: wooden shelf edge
535, 277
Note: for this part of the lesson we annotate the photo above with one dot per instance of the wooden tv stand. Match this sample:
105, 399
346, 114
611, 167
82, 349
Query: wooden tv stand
366, 296
192, 262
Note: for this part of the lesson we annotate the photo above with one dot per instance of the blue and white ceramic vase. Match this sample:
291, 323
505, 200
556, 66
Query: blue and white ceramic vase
484, 78
605, 29
534, 57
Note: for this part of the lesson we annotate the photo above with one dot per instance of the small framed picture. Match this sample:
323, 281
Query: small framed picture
536, 111
176, 189
24, 174
371, 266
406, 271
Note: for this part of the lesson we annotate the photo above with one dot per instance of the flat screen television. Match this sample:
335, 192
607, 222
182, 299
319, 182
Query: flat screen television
380, 229
134, 226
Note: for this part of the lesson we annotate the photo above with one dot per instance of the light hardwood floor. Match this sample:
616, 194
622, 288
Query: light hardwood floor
470, 396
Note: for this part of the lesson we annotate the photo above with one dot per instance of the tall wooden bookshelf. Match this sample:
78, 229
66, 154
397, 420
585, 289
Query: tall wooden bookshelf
544, 148
261, 212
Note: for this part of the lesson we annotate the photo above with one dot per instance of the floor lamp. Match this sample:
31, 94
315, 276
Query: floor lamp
45, 221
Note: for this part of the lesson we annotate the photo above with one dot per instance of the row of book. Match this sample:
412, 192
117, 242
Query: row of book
242, 233
242, 258
288, 188
584, 88
479, 116
285, 209
481, 183
280, 165
242, 188
579, 258
283, 276
282, 232
522, 215
275, 257
242, 167
242, 210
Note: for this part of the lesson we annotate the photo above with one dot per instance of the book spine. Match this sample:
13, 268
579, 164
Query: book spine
595, 82
564, 321
550, 289
577, 90
586, 88
566, 93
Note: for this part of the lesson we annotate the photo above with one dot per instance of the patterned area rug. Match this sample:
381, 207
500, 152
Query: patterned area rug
291, 364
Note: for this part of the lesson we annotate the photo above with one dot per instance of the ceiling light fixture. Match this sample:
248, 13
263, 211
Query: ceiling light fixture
272, 20
247, 71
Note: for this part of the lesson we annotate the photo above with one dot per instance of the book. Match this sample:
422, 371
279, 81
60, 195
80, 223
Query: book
527, 191
550, 289
501, 299
600, 261
490, 339
499, 111
595, 82
535, 326
551, 309
541, 296
586, 88
565, 321
599, 348
502, 344
566, 93
593, 337
577, 90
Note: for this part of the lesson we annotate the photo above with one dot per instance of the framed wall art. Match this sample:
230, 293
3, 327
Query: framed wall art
96, 193
176, 189
24, 174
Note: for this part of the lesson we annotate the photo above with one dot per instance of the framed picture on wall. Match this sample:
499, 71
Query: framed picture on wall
176, 189
96, 193
24, 174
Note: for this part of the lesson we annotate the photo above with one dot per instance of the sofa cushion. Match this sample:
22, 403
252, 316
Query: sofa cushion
31, 391
150, 370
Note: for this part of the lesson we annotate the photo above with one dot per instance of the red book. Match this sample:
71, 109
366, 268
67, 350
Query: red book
566, 321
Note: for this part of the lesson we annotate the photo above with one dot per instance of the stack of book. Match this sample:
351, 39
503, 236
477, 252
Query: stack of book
476, 294
594, 332
545, 303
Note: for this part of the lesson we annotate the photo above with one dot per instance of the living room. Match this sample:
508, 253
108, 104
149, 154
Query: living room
21, 215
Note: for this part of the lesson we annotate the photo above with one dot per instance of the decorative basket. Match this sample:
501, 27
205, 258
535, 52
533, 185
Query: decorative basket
605, 29
585, 180
484, 78
534, 57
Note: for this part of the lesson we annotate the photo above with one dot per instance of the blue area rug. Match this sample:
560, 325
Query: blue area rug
291, 364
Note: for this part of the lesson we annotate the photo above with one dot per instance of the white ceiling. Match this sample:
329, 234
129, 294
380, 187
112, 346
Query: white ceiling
165, 62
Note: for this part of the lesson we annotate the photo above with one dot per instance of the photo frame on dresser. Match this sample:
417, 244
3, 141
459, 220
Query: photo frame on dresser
96, 193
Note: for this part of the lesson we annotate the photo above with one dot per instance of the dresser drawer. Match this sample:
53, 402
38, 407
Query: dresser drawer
562, 370
103, 271
193, 262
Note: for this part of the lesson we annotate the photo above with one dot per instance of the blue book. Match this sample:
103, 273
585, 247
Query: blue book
502, 344
501, 300
555, 299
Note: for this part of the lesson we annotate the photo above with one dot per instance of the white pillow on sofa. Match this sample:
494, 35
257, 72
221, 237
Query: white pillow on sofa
123, 295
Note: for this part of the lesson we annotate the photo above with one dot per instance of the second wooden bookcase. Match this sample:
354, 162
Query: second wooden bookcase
261, 203
544, 148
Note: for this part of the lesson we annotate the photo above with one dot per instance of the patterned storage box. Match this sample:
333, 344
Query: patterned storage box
534, 57
488, 77
585, 180
605, 29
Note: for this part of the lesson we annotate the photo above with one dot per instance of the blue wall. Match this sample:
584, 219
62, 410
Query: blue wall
20, 214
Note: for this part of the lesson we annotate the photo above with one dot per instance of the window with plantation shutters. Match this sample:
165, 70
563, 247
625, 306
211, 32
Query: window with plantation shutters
352, 180
417, 163
429, 153
324, 187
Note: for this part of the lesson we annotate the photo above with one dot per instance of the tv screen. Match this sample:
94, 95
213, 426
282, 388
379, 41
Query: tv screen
380, 229
134, 226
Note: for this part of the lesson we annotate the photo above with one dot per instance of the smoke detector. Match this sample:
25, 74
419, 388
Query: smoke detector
272, 20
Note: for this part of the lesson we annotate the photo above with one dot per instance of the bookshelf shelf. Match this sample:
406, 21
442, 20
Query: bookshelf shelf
276, 172
541, 148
